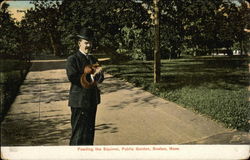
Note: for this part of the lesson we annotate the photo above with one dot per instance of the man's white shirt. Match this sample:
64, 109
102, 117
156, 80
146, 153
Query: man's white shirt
91, 75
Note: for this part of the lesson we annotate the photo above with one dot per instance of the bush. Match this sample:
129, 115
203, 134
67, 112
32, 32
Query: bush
12, 74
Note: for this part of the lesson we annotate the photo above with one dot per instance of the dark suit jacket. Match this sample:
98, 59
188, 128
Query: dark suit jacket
80, 97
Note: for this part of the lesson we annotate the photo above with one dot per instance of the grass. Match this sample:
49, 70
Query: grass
12, 74
213, 86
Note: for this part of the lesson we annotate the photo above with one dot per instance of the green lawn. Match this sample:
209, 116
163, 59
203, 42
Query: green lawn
213, 86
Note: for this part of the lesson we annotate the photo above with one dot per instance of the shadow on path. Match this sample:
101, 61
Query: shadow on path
40, 115
106, 128
29, 130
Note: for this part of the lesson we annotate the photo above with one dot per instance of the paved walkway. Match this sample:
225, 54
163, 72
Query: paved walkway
126, 116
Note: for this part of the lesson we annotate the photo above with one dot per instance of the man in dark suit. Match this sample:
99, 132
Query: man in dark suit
83, 101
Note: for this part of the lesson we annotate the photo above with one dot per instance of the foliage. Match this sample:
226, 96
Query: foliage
9, 33
197, 27
135, 42
41, 25
200, 26
106, 18
204, 25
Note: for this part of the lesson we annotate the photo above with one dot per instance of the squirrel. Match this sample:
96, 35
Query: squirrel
93, 70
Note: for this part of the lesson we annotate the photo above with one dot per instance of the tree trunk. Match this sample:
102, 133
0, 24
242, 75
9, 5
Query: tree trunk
157, 58
54, 45
241, 48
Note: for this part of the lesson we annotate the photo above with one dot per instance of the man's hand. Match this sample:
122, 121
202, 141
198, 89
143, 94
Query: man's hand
89, 70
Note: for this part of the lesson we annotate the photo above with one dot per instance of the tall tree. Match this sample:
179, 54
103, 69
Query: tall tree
8, 33
240, 20
43, 22
107, 18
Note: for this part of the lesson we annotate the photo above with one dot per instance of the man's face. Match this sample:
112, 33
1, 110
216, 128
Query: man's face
85, 45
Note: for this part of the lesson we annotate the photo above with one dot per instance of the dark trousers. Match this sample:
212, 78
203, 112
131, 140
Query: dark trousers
83, 126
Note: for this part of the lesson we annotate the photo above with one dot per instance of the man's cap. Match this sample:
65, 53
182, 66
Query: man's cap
86, 33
